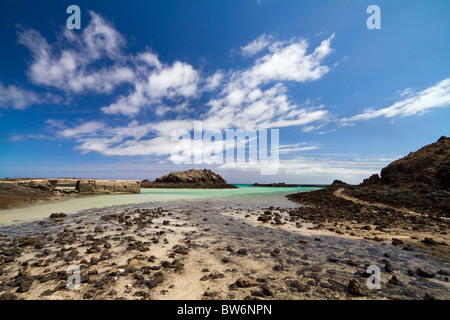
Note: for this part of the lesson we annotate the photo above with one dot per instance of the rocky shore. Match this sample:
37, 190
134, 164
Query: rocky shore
409, 202
14, 194
206, 251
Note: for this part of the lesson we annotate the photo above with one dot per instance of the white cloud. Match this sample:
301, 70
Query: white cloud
242, 101
85, 128
256, 45
437, 96
253, 98
319, 168
212, 82
166, 82
101, 38
17, 98
151, 59
178, 80
17, 137
298, 147
69, 63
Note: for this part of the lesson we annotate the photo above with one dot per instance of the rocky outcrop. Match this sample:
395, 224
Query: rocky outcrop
418, 183
201, 179
373, 180
42, 184
13, 194
275, 185
88, 187
427, 167
63, 182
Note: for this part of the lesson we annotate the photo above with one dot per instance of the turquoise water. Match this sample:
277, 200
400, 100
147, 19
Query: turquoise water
244, 194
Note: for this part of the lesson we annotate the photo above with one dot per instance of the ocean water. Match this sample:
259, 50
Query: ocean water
244, 194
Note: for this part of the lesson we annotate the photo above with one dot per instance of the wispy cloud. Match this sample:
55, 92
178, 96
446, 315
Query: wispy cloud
70, 63
416, 103
348, 168
297, 147
18, 98
256, 45
85, 128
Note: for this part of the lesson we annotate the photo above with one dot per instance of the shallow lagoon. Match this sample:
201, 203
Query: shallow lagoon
245, 194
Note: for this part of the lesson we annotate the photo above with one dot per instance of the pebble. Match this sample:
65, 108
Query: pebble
315, 268
424, 273
245, 282
388, 268
352, 262
356, 288
134, 263
394, 280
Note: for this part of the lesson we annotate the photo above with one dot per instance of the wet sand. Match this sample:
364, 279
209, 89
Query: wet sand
203, 250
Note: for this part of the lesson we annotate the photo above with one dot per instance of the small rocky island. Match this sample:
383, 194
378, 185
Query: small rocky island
275, 185
189, 179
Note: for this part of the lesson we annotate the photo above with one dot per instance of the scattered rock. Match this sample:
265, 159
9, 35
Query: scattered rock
397, 242
315, 268
242, 252
394, 280
297, 286
225, 260
430, 241
352, 262
133, 264
245, 282
266, 291
388, 268
264, 218
204, 278
215, 276
424, 273
408, 247
8, 296
278, 268
94, 260
58, 215
356, 288
47, 293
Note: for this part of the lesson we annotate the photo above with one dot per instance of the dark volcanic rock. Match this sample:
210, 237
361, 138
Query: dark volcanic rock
428, 166
58, 215
276, 185
189, 179
13, 194
424, 273
356, 288
245, 282
417, 183
372, 180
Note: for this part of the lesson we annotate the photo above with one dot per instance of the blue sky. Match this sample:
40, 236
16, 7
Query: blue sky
103, 101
